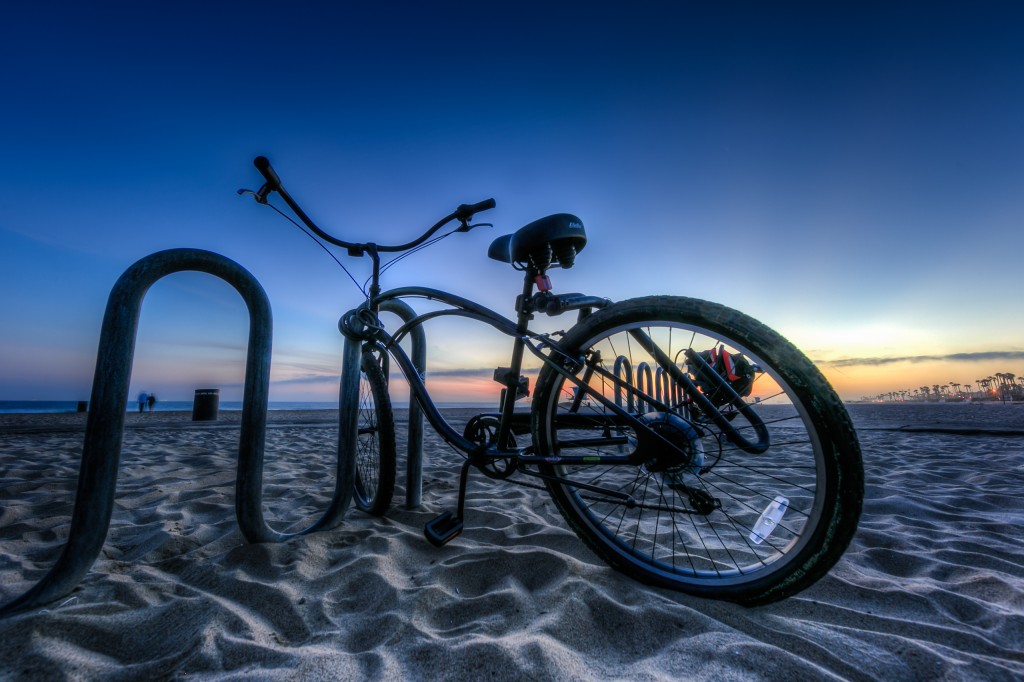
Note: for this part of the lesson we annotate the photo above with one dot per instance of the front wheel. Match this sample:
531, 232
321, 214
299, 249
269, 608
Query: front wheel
375, 441
748, 492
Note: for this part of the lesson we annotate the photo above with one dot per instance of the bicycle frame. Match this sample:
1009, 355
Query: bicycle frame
461, 307
361, 328
357, 332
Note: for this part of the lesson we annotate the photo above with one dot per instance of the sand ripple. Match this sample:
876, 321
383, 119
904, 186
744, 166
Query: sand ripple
931, 588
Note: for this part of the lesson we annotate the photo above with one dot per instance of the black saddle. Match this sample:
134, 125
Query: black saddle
554, 239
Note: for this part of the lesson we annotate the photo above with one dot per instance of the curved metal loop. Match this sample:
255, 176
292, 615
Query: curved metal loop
414, 456
644, 384
623, 371
663, 387
101, 451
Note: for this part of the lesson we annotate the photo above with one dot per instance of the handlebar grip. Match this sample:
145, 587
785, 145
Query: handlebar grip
466, 211
484, 205
262, 164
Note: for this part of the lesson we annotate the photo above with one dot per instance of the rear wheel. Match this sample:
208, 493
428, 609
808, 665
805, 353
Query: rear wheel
375, 444
694, 510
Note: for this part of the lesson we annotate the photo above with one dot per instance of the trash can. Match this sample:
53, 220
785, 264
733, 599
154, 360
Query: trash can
205, 405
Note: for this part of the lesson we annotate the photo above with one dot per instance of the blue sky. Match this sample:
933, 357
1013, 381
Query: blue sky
850, 174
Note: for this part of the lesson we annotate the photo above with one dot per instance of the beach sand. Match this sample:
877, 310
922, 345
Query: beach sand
932, 586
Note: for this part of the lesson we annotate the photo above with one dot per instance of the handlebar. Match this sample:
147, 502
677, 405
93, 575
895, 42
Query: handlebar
464, 213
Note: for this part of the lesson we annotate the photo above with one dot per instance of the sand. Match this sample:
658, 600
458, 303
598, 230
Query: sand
932, 586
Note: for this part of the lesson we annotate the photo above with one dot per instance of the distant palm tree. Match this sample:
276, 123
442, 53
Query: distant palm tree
1012, 388
982, 388
1000, 385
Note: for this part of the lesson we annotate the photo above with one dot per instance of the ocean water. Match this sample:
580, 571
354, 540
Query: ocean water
59, 406
65, 406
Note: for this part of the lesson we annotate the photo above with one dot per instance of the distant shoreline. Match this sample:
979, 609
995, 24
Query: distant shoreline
951, 418
934, 403
75, 422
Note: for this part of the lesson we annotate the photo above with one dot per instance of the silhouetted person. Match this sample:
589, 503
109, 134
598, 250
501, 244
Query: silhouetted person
143, 400
151, 400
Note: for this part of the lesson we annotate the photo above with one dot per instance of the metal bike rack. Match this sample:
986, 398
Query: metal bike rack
646, 381
644, 384
663, 386
623, 371
97, 478
414, 459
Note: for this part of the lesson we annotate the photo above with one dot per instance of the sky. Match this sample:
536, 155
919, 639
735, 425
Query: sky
850, 174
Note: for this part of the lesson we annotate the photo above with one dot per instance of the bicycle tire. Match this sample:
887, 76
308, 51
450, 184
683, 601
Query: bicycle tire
670, 538
375, 444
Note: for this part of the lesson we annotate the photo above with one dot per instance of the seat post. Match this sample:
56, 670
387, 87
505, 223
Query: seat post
524, 311
523, 316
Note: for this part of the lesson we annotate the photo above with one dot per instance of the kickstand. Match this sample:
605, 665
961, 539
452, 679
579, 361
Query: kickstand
443, 529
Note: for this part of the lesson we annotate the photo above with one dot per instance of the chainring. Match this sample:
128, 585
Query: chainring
482, 429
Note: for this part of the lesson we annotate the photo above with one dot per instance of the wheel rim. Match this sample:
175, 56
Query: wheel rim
657, 536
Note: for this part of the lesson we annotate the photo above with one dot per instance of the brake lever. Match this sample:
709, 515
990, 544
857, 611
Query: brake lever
259, 195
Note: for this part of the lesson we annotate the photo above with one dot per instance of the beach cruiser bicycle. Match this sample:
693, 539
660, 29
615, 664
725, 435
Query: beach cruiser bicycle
688, 445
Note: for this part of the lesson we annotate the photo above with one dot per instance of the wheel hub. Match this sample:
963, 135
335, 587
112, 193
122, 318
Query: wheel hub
674, 447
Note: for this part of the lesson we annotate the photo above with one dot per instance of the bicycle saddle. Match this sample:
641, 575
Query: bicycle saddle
554, 239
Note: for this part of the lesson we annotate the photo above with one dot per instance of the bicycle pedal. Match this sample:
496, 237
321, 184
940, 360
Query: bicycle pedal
443, 529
